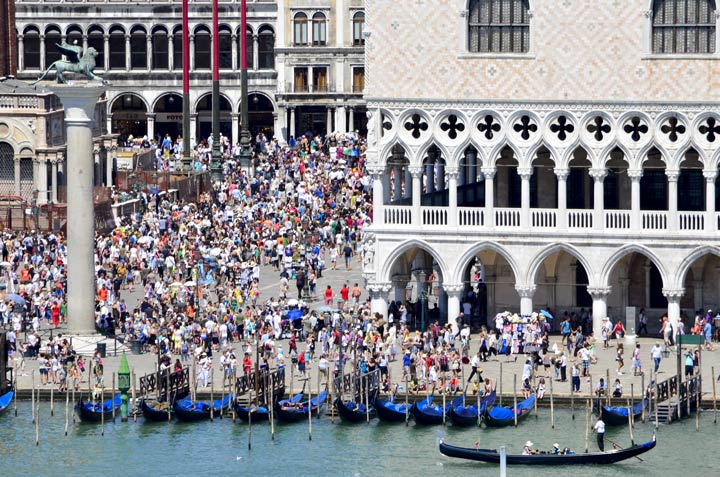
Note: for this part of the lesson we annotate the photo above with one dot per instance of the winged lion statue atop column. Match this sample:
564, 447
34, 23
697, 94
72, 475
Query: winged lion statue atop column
77, 62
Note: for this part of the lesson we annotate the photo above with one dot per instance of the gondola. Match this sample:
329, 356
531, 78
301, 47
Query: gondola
352, 411
390, 411
188, 411
5, 401
426, 412
618, 416
261, 413
295, 412
493, 456
156, 411
467, 415
505, 416
91, 412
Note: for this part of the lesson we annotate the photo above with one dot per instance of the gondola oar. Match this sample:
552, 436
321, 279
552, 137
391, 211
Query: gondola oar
617, 446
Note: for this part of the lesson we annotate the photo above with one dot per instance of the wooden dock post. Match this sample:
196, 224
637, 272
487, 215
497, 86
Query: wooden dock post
630, 423
52, 400
67, 411
250, 427
500, 387
643, 395
552, 405
73, 401
714, 396
572, 400
367, 402
309, 381
32, 395
515, 398
37, 421
112, 393
102, 411
133, 397
587, 425
407, 401
212, 394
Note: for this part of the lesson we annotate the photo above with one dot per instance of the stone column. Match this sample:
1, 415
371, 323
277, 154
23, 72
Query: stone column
526, 293
79, 101
378, 202
710, 221
454, 294
150, 117
599, 307
598, 198
672, 220
452, 176
489, 174
171, 51
191, 38
351, 115
234, 51
292, 122
41, 181
416, 194
54, 179
635, 214
127, 53
85, 42
21, 52
379, 298
256, 57
562, 175
329, 120
42, 53
110, 166
525, 174
234, 127
673, 297
106, 53
340, 119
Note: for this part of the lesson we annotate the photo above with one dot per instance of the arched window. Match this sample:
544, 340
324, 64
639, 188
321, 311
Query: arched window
499, 26
117, 48
74, 35
138, 49
319, 24
52, 36
250, 45
7, 166
301, 29
225, 43
683, 26
96, 40
177, 48
31, 48
266, 49
358, 29
203, 53
160, 59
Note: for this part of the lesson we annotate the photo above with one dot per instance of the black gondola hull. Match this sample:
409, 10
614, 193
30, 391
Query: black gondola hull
464, 421
258, 414
155, 415
599, 458
391, 415
492, 422
353, 415
425, 418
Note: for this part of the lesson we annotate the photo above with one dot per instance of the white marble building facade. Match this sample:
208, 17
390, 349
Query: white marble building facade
545, 154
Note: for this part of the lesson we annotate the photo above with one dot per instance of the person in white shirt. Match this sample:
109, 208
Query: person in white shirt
599, 429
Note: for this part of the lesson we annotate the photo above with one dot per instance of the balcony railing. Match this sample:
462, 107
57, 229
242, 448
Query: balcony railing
613, 221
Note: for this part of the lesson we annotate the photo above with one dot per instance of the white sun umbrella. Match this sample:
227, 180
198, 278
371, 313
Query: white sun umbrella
176, 285
190, 283
292, 302
144, 239
216, 251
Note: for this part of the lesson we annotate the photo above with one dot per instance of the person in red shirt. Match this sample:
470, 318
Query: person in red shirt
344, 294
328, 295
247, 364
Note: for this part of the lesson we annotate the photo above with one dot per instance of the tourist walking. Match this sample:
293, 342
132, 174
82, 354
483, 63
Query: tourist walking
599, 429
656, 355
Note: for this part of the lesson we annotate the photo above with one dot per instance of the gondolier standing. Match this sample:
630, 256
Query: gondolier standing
599, 429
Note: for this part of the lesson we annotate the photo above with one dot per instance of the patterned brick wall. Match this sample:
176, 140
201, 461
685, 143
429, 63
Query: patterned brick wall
8, 38
585, 50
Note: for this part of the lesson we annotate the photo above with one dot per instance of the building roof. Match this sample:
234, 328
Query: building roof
12, 85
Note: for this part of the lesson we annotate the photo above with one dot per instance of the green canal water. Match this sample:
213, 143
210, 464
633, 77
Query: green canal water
376, 449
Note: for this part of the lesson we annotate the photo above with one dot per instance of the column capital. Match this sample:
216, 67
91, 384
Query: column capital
379, 287
453, 289
599, 293
710, 175
525, 172
415, 171
375, 171
635, 174
672, 175
561, 173
150, 115
488, 172
525, 291
452, 173
598, 174
674, 294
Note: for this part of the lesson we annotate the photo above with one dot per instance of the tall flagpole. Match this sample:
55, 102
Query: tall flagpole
245, 152
216, 168
186, 85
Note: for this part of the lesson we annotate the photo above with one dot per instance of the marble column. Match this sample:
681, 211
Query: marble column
378, 196
21, 52
234, 127
635, 214
328, 127
150, 117
562, 175
710, 221
489, 175
85, 42
379, 293
79, 102
127, 53
351, 115
525, 174
292, 122
673, 297
256, 57
340, 119
599, 307
41, 181
672, 218
106, 53
598, 198
454, 294
526, 293
191, 38
234, 51
110, 166
416, 173
42, 53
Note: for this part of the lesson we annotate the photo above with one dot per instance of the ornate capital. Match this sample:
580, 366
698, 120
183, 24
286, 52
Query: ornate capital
561, 174
452, 173
674, 294
525, 172
672, 175
710, 176
379, 288
376, 171
599, 293
415, 172
598, 174
488, 172
635, 174
453, 289
525, 291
